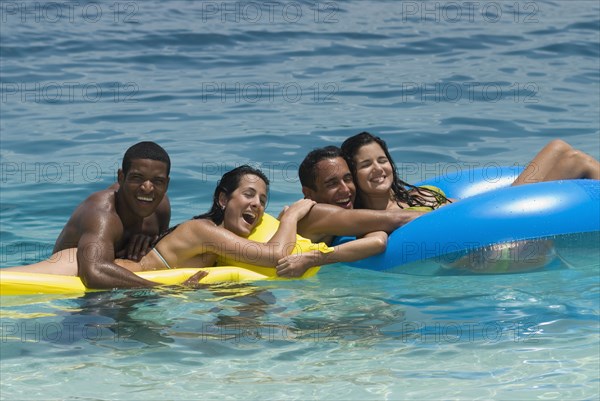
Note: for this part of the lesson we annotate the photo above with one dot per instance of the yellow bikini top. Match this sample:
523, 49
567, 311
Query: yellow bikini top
436, 192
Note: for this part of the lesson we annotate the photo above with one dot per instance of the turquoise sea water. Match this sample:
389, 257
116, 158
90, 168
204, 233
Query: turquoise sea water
447, 84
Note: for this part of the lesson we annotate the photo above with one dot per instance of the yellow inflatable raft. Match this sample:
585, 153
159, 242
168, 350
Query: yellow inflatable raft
20, 283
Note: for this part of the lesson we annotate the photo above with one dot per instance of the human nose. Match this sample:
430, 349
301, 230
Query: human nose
344, 187
255, 202
377, 166
147, 186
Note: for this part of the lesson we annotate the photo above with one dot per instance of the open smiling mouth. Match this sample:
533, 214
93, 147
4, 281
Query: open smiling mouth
145, 198
249, 217
343, 201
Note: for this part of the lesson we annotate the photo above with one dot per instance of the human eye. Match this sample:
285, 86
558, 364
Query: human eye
134, 178
249, 193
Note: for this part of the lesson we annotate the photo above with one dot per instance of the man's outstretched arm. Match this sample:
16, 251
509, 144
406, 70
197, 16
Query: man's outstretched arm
324, 219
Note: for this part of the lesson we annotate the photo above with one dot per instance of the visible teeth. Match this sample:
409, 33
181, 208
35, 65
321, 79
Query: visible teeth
145, 198
346, 200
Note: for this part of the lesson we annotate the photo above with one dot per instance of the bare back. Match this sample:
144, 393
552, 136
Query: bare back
189, 245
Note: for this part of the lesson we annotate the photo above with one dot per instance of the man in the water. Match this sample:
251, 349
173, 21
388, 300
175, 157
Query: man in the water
325, 178
122, 220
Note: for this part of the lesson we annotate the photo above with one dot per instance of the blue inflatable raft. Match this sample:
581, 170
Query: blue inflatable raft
490, 212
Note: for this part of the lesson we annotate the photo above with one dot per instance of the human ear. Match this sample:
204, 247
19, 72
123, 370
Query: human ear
223, 200
308, 193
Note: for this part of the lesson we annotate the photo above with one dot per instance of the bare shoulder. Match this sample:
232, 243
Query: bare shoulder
97, 213
192, 229
192, 234
100, 202
96, 210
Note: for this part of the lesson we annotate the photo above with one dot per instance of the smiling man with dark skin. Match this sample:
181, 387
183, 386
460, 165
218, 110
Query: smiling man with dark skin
122, 220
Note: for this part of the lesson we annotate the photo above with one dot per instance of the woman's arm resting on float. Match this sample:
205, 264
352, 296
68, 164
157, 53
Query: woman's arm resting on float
284, 240
295, 265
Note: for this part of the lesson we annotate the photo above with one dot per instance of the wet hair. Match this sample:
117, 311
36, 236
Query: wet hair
145, 150
228, 183
307, 172
402, 191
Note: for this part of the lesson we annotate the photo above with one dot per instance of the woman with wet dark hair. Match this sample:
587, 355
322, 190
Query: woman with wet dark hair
379, 187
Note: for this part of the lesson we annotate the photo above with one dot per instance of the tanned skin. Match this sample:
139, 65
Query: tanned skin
333, 214
108, 221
